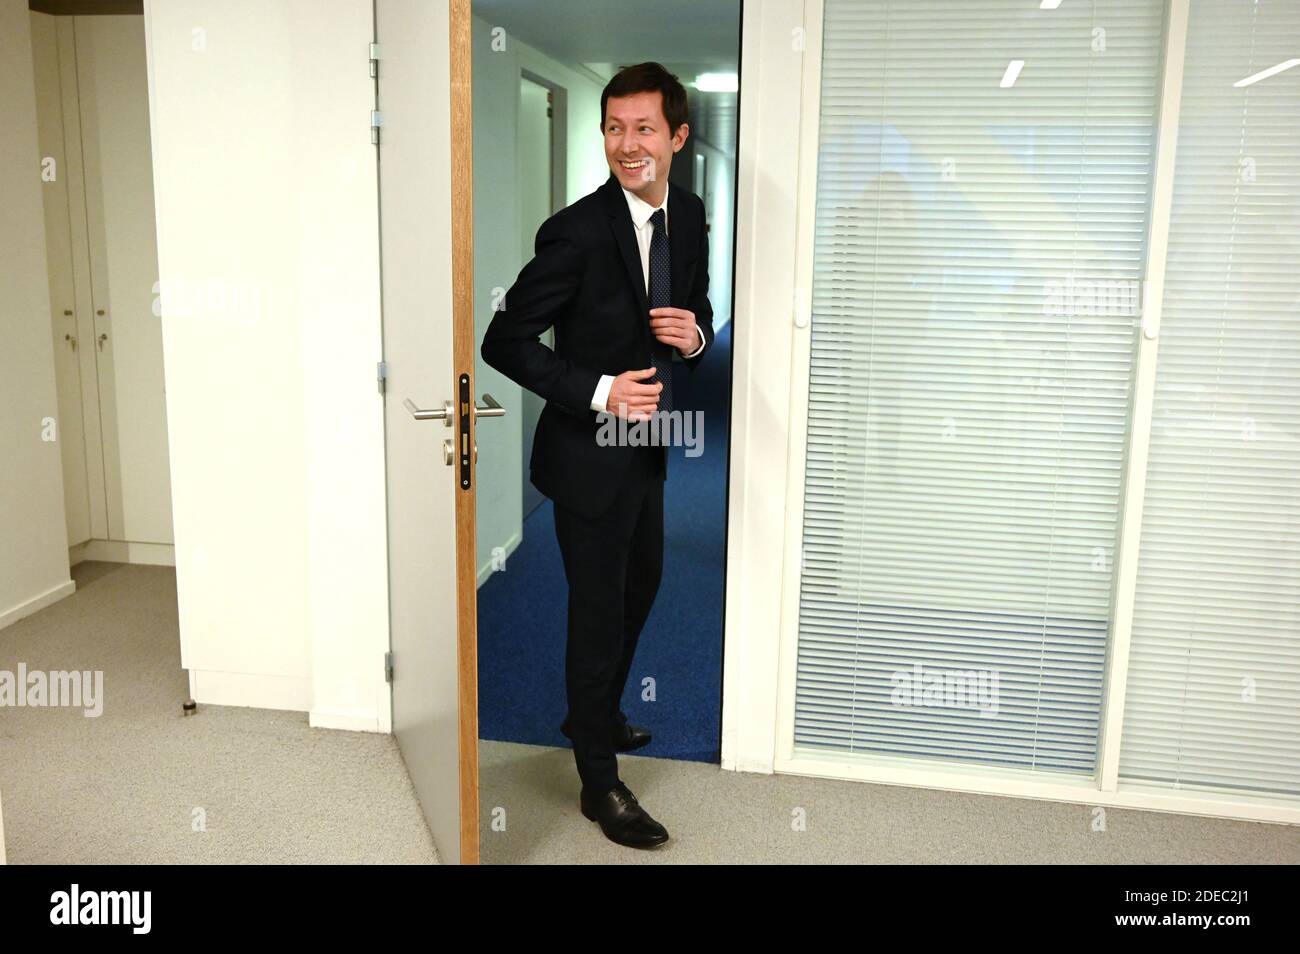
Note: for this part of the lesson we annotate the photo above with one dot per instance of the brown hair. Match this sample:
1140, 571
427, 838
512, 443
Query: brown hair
646, 78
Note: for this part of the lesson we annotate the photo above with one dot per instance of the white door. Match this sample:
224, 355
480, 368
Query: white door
57, 177
424, 187
113, 97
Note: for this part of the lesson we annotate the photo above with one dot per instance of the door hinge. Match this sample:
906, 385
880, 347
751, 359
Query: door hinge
388, 667
376, 123
381, 374
374, 61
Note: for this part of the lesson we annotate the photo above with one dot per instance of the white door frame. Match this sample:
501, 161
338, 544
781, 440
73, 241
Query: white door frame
771, 63
776, 199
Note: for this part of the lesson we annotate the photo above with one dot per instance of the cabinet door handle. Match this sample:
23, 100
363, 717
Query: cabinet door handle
72, 340
102, 338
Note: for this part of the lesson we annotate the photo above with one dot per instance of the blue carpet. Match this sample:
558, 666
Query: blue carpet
521, 612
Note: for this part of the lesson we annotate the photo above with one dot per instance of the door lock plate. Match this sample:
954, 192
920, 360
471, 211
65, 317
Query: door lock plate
465, 418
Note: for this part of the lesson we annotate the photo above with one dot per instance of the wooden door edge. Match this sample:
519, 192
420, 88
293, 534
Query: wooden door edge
462, 282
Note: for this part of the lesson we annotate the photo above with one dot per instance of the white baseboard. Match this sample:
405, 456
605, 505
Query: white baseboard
252, 690
123, 551
286, 693
36, 603
348, 721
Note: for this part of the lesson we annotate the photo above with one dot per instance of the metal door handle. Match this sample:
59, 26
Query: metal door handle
445, 414
489, 408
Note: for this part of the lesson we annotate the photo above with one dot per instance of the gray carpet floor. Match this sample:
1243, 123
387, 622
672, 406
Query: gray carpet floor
714, 816
128, 786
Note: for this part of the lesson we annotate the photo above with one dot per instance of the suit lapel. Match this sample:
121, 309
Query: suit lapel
682, 239
620, 222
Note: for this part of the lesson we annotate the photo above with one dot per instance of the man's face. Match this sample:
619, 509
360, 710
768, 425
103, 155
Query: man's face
639, 145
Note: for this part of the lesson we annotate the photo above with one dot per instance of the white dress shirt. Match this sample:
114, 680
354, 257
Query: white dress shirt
641, 212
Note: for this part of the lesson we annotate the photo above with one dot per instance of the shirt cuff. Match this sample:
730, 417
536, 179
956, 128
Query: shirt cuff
601, 397
701, 347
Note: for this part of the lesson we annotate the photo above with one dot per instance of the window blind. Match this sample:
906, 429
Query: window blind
1213, 694
974, 314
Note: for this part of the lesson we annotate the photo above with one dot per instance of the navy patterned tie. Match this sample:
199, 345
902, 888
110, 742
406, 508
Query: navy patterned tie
661, 355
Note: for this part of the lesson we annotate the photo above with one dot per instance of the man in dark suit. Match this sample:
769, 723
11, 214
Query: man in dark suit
626, 293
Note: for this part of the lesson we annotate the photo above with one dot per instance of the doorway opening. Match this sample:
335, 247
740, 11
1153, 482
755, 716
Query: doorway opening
538, 147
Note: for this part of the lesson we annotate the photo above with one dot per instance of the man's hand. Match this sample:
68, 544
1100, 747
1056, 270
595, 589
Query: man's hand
630, 399
676, 327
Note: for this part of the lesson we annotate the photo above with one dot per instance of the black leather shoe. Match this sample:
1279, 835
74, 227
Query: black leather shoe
628, 737
622, 819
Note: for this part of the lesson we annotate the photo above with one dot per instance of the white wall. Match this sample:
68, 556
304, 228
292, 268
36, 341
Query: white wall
34, 568
265, 188
497, 240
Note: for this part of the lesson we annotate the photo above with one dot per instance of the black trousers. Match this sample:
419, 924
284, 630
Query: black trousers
613, 565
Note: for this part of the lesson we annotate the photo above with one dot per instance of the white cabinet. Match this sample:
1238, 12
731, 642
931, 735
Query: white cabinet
93, 114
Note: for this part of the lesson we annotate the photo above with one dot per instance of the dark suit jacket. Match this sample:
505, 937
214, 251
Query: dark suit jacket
585, 280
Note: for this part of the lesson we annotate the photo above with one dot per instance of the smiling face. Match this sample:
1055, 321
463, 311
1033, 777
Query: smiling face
639, 145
